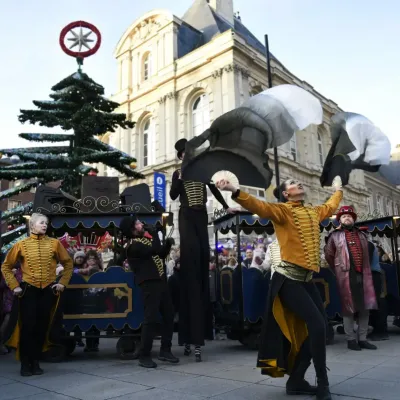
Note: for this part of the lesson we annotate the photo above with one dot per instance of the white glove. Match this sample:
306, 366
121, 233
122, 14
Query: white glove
58, 287
59, 270
337, 183
17, 291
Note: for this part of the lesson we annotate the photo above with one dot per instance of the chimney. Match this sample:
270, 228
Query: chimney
224, 8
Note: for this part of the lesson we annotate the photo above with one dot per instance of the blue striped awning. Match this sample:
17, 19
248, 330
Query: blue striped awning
97, 222
253, 223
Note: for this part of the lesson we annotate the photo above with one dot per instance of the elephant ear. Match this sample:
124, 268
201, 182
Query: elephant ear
356, 144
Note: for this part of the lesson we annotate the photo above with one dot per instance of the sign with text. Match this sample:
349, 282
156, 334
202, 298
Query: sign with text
160, 187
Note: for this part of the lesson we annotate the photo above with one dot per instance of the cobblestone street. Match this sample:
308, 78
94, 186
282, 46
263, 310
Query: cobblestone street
227, 372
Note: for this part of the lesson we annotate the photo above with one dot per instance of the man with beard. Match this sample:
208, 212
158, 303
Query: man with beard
146, 258
347, 253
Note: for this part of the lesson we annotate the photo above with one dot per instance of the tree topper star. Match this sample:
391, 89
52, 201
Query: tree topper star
80, 39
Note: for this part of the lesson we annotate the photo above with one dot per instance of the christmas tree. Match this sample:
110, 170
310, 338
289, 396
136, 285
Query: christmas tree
78, 106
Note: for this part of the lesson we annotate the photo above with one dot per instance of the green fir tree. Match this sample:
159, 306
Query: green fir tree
78, 106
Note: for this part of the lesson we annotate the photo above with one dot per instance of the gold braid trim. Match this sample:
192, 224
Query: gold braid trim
39, 257
157, 260
306, 222
194, 192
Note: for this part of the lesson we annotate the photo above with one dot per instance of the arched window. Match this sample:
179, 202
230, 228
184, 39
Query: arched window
147, 144
320, 150
147, 66
389, 206
293, 147
200, 115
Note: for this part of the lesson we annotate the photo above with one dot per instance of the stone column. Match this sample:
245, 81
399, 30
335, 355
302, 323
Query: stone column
162, 129
217, 90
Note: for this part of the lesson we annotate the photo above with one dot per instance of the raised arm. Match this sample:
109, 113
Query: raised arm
276, 212
176, 185
217, 194
327, 209
12, 258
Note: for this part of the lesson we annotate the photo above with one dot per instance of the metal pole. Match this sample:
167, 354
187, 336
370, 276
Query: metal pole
277, 178
240, 268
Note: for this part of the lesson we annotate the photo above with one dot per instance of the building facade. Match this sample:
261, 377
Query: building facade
177, 75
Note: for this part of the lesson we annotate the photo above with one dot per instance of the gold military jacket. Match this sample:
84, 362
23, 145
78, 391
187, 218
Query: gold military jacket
39, 256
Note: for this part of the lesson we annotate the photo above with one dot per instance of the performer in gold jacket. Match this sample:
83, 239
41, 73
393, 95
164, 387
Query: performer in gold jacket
37, 293
294, 327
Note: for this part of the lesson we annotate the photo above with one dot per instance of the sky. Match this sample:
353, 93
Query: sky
347, 50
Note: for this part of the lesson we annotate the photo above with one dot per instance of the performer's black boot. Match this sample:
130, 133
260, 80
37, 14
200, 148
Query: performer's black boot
36, 370
26, 368
366, 345
353, 345
166, 355
323, 392
296, 384
147, 362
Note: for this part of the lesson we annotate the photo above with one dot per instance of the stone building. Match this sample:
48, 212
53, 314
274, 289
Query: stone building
177, 75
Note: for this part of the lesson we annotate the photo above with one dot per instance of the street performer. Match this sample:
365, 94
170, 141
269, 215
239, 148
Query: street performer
146, 258
348, 254
38, 291
195, 255
294, 327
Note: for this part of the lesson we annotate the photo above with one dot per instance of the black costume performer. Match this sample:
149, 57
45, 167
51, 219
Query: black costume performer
146, 258
194, 255
294, 327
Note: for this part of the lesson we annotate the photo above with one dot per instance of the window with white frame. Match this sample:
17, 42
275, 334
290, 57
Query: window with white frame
379, 203
389, 206
200, 114
370, 204
147, 66
148, 155
145, 144
320, 149
293, 147
210, 201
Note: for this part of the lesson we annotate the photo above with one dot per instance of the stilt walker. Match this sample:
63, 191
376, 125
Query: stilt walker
195, 255
294, 327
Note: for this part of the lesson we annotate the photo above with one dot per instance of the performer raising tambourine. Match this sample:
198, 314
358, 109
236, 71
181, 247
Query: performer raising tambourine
294, 327
38, 293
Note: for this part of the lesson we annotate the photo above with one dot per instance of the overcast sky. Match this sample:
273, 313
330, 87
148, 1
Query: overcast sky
347, 50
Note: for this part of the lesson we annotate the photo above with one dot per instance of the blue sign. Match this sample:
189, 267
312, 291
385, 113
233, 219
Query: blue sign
160, 188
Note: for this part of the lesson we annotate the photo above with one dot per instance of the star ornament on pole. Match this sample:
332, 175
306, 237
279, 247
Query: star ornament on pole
80, 39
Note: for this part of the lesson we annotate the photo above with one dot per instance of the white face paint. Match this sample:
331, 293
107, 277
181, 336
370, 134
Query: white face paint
39, 225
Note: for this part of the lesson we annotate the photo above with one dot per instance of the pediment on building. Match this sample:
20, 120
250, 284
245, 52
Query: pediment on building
142, 29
